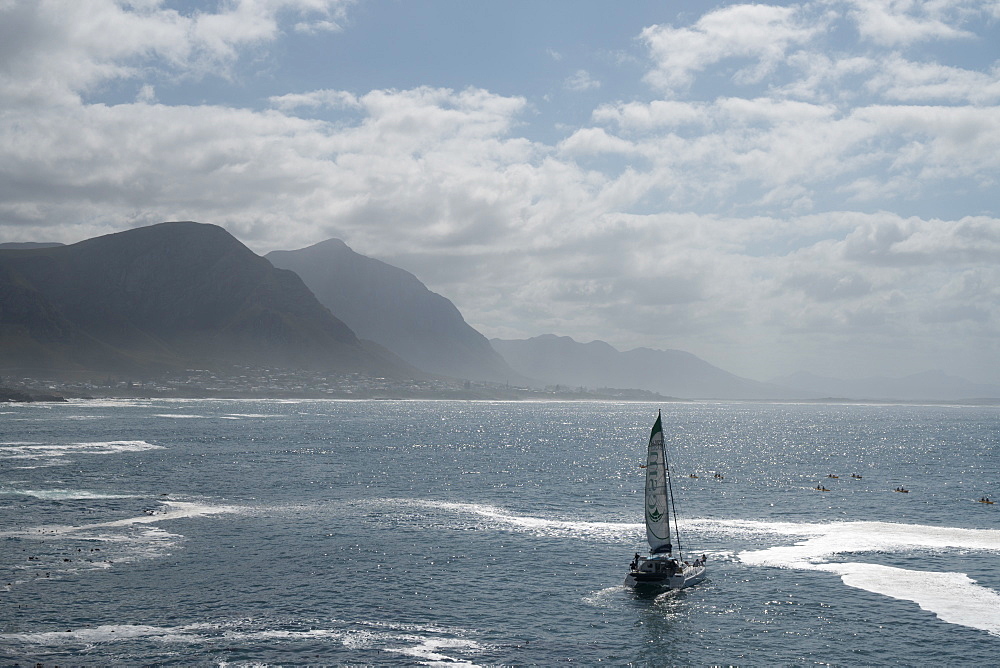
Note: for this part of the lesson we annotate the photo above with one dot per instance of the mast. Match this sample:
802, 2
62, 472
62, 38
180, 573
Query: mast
657, 509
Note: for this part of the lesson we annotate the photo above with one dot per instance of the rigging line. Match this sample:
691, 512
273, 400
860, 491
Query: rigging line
673, 506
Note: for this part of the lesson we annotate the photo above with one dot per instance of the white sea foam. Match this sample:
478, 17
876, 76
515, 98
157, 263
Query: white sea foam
24, 450
430, 650
173, 510
826, 540
605, 598
122, 541
99, 634
538, 525
109, 402
953, 597
169, 510
428, 644
66, 494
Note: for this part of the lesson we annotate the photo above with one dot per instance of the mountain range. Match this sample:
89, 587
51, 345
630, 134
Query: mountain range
561, 360
163, 297
392, 307
187, 295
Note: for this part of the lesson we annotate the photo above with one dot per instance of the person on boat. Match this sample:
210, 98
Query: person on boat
635, 562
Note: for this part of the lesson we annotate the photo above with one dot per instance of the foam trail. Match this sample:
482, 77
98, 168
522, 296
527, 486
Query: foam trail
175, 510
106, 633
953, 597
426, 644
44, 450
107, 402
67, 494
537, 525
429, 650
828, 540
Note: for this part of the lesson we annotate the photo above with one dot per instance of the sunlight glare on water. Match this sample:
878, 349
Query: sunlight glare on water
484, 533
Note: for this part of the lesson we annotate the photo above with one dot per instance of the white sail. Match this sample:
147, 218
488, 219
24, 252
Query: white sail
657, 513
661, 568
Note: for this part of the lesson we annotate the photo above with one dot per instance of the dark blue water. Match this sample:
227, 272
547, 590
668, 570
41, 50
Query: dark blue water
267, 532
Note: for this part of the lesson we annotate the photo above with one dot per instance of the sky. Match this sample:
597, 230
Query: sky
794, 186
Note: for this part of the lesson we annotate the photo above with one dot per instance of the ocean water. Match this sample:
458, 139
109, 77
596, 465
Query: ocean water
180, 532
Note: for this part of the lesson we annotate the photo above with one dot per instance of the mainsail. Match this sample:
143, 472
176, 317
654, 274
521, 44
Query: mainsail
657, 513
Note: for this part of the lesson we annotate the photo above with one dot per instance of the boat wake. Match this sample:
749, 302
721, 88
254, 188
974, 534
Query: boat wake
498, 518
953, 597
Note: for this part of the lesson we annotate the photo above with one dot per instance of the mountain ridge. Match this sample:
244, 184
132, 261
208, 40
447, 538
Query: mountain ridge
562, 360
166, 296
177, 294
395, 309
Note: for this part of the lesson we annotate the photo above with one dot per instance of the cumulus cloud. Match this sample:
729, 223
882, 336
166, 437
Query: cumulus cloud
759, 223
904, 22
902, 80
52, 51
762, 34
334, 99
656, 115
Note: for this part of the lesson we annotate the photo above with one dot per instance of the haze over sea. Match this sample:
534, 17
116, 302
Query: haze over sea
403, 532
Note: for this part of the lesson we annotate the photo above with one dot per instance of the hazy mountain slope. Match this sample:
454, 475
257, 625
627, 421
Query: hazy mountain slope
393, 308
560, 359
165, 296
28, 245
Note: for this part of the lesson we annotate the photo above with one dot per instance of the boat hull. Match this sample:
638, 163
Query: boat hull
691, 575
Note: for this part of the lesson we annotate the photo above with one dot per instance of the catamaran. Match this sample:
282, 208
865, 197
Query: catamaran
661, 569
